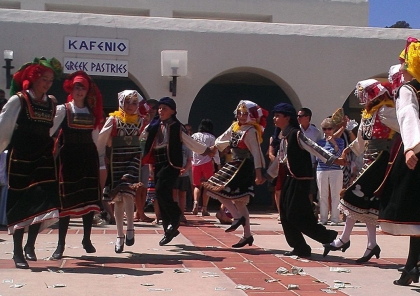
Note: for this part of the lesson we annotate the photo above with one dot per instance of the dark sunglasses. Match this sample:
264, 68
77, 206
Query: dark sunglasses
327, 128
302, 115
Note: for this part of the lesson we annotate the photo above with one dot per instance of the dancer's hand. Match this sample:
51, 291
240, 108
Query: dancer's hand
411, 159
340, 161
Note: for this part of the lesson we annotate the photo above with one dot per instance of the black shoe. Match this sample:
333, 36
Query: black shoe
243, 242
168, 237
119, 249
329, 247
87, 245
298, 253
408, 277
400, 269
20, 262
129, 242
30, 253
58, 253
236, 224
375, 251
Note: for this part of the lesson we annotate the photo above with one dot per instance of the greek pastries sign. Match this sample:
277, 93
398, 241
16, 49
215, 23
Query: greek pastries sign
96, 45
97, 67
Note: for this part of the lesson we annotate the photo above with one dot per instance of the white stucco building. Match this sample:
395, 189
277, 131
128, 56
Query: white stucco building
307, 52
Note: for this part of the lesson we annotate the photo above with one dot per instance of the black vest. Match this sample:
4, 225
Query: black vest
299, 161
174, 149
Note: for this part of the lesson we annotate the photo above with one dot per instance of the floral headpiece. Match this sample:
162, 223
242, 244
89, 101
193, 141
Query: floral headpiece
395, 77
370, 89
28, 73
257, 116
133, 97
412, 57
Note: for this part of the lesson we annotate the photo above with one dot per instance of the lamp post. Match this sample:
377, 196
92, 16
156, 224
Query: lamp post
8, 57
174, 64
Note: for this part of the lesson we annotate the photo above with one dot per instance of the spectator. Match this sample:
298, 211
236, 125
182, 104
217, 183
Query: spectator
329, 178
202, 166
312, 132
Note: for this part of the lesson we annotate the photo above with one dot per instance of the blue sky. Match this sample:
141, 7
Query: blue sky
384, 13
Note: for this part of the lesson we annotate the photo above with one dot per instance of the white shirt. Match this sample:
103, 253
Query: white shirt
209, 140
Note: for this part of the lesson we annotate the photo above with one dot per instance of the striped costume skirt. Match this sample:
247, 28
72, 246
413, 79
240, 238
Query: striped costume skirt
125, 167
233, 181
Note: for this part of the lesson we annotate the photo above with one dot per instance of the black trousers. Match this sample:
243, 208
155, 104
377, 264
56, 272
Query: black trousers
297, 217
165, 177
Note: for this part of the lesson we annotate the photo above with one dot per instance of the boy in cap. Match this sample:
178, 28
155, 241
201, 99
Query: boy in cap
295, 208
164, 138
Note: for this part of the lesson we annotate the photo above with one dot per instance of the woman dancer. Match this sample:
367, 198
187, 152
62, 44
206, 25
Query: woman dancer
400, 205
374, 139
78, 121
232, 185
25, 124
121, 133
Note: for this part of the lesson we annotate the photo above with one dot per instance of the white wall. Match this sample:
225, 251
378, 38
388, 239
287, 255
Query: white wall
317, 66
323, 12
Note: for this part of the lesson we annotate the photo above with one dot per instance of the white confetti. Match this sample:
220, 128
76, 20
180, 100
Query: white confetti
159, 289
292, 287
247, 287
182, 270
340, 269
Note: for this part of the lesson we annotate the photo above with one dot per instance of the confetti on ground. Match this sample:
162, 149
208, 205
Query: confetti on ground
271, 280
340, 269
17, 285
292, 287
329, 291
247, 287
182, 270
159, 289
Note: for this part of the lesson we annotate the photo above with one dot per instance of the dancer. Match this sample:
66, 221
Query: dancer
78, 120
232, 185
294, 155
203, 166
164, 138
25, 122
121, 133
374, 140
400, 205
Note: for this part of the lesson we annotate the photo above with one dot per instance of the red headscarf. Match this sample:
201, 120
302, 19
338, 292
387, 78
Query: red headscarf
93, 98
30, 72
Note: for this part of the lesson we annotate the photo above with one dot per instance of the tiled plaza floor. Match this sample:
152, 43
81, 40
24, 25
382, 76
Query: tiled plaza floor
200, 261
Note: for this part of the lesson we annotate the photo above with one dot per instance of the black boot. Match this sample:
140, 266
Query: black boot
30, 243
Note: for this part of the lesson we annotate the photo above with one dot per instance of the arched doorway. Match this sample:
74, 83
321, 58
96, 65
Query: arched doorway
218, 99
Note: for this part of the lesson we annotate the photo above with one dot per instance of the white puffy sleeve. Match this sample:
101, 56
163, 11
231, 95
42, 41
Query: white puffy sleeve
8, 118
58, 118
223, 140
407, 108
